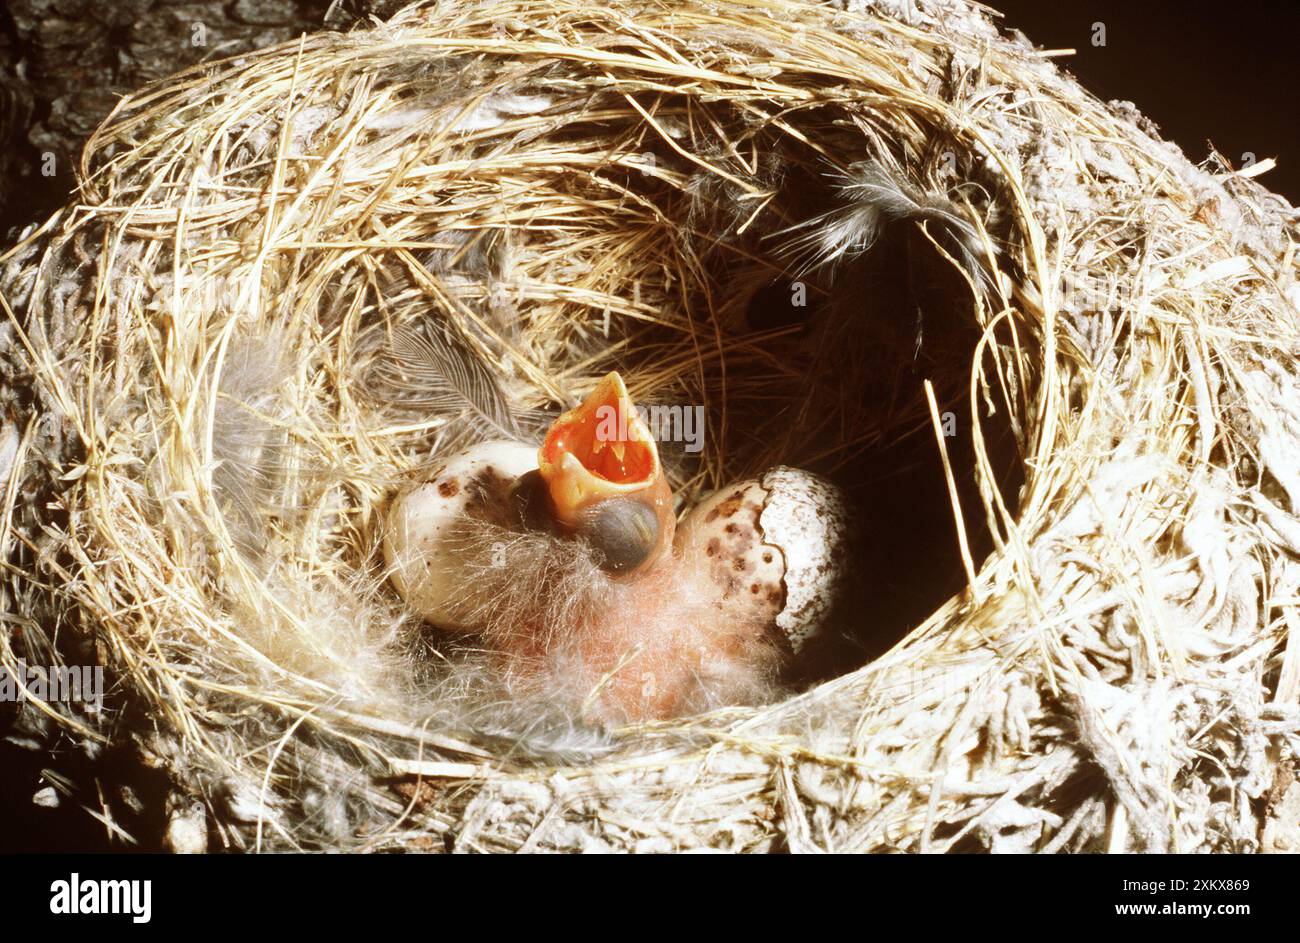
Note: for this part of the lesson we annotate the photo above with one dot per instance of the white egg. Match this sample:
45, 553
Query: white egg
422, 561
775, 548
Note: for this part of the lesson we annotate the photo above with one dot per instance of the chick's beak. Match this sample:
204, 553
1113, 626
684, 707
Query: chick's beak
602, 472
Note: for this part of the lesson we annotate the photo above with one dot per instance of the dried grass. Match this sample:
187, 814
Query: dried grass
198, 463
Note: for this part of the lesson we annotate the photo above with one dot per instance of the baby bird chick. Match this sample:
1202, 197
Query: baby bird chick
569, 564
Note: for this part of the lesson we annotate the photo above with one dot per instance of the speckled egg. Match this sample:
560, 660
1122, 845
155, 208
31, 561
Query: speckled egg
422, 561
775, 548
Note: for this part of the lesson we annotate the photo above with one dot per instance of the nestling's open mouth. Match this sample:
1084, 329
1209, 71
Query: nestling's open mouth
600, 449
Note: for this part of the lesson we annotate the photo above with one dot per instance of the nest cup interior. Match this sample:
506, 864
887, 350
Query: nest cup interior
747, 268
883, 323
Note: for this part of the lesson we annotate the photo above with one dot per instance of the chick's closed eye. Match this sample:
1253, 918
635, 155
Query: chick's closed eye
622, 533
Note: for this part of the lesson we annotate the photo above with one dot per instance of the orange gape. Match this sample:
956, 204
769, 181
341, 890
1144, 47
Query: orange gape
600, 435
600, 451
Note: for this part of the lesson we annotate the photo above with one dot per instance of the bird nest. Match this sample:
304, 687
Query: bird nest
1049, 358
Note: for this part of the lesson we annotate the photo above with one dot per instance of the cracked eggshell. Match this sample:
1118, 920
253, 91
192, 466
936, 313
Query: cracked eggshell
775, 548
422, 565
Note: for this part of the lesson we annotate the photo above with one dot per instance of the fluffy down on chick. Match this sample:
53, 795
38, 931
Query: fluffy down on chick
568, 565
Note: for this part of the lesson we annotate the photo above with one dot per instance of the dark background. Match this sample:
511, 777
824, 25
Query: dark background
1203, 71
